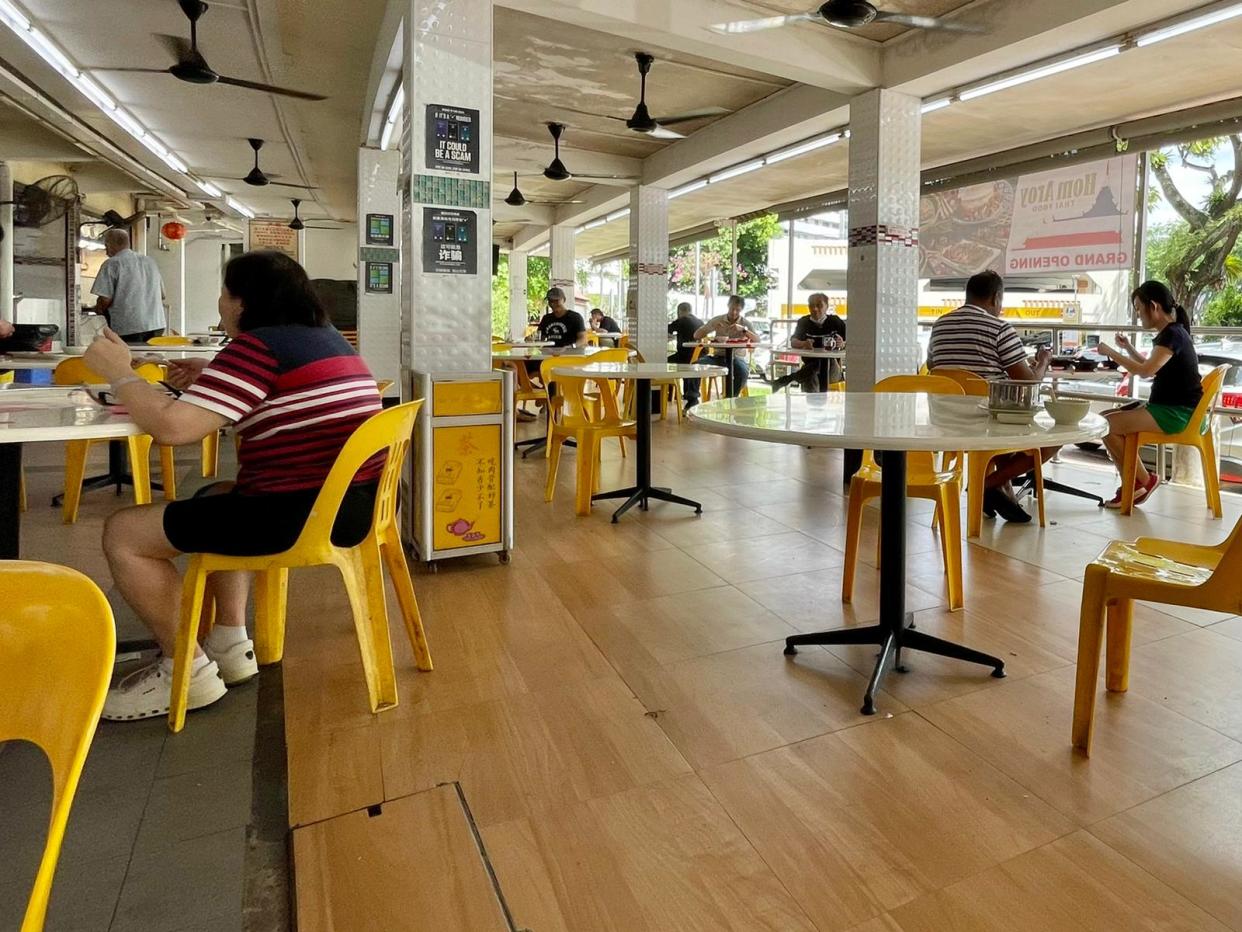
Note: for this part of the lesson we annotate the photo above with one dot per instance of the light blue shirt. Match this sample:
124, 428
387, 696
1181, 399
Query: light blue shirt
133, 283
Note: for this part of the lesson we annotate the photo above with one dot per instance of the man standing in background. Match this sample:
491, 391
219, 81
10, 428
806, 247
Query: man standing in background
130, 291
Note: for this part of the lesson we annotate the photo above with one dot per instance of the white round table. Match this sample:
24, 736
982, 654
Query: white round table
641, 373
729, 348
892, 425
527, 344
37, 415
809, 353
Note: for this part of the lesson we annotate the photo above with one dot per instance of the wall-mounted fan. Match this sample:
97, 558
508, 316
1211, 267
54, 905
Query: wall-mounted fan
556, 170
191, 67
517, 199
44, 201
844, 14
260, 179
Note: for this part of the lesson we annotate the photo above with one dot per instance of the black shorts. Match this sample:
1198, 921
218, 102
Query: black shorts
239, 525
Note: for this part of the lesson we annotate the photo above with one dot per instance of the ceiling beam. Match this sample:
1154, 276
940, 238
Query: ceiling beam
806, 53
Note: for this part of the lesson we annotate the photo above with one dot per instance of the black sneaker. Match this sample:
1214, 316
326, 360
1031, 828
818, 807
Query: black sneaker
1006, 507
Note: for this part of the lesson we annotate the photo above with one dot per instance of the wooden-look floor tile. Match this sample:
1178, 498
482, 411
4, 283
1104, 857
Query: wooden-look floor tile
775, 489
983, 571
865, 819
521, 754
659, 857
677, 627
812, 601
1190, 839
683, 528
1075, 883
1048, 617
585, 584
1195, 674
414, 865
933, 678
740, 561
333, 771
1141, 749
733, 704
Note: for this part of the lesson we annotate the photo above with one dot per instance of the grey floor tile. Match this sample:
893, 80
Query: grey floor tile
125, 754
187, 882
84, 895
221, 733
103, 823
197, 803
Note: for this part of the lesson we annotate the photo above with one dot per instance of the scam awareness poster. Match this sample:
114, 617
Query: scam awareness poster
452, 139
466, 486
1074, 219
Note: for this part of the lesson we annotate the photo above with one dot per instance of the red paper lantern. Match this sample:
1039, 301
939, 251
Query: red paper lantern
173, 230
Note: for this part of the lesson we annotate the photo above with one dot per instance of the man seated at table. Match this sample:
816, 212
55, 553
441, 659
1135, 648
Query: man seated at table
818, 330
560, 325
682, 329
975, 338
730, 326
602, 323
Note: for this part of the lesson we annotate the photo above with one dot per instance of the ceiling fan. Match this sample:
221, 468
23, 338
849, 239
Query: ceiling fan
844, 14
258, 178
297, 223
517, 199
641, 121
556, 170
193, 68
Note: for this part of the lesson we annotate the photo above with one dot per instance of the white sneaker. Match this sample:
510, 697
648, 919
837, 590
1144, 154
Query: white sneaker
147, 692
237, 663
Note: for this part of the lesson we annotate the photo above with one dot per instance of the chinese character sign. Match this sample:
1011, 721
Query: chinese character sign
466, 501
450, 241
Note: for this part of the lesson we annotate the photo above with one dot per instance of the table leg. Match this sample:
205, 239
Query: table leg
728, 371
642, 490
1051, 485
894, 632
10, 500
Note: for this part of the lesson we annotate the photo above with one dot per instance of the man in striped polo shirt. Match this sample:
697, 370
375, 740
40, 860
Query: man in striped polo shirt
975, 338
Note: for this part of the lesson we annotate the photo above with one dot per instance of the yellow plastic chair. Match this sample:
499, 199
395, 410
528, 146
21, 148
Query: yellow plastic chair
923, 480
546, 368
979, 462
667, 389
709, 384
170, 340
74, 371
1165, 572
1198, 434
388, 431
588, 421
59, 645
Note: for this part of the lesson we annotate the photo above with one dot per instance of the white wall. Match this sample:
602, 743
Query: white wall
331, 253
204, 264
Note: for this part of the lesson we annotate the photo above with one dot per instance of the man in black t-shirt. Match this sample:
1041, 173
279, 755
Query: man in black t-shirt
818, 330
602, 323
682, 330
560, 325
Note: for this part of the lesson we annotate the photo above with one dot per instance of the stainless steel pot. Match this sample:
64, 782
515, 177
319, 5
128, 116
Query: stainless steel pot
1013, 395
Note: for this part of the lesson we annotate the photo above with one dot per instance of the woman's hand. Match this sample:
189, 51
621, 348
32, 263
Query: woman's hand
182, 373
109, 355
1105, 350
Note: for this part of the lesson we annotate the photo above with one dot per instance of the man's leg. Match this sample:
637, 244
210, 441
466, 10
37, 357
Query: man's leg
741, 372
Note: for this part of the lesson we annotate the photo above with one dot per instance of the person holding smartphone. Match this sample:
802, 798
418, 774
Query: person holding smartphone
1173, 367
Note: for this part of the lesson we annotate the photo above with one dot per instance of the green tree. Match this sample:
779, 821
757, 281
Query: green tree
1224, 309
1197, 257
717, 253
500, 298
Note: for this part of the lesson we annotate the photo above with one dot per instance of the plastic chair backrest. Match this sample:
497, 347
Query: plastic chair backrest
59, 643
390, 430
1200, 422
170, 340
75, 371
931, 384
568, 405
972, 383
577, 412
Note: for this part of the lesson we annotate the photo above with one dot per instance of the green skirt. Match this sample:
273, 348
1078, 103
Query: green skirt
1172, 419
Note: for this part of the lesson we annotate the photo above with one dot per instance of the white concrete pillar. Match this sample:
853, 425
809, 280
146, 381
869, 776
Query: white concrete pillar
647, 304
883, 240
379, 262
6, 243
446, 284
517, 294
561, 259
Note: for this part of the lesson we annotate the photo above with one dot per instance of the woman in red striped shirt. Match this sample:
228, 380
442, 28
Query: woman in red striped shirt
294, 390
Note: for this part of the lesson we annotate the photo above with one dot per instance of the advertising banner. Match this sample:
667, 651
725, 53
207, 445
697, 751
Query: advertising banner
1078, 218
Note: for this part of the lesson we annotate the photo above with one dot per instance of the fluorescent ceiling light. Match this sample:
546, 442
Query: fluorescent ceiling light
1189, 25
802, 148
394, 111
13, 17
931, 106
618, 214
593, 224
91, 244
209, 189
96, 94
688, 188
240, 208
1034, 74
736, 170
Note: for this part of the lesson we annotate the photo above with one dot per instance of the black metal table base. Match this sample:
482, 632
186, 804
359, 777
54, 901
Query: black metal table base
1051, 485
642, 491
895, 631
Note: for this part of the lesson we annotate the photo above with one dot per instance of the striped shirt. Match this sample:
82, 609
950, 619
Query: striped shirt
971, 338
296, 394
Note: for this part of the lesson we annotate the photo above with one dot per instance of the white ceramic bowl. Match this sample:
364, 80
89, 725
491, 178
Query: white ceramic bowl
1067, 410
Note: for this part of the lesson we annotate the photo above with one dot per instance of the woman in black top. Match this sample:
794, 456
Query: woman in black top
1173, 367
